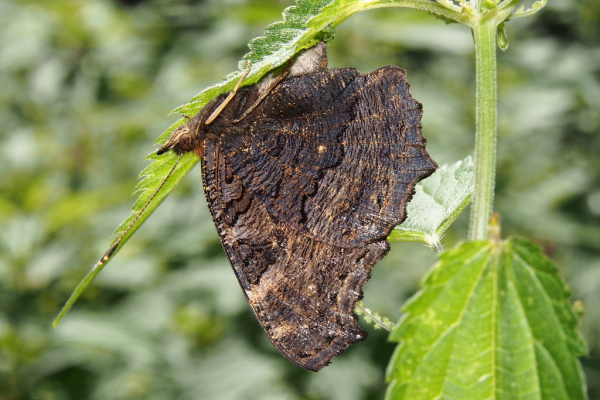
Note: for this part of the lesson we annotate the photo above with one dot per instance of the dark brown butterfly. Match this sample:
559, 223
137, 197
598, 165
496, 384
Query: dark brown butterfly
305, 176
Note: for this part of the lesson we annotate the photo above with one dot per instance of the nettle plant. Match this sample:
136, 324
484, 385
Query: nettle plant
492, 319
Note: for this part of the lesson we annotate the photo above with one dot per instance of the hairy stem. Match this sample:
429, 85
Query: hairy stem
375, 318
484, 33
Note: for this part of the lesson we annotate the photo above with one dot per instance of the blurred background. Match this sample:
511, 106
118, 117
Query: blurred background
86, 86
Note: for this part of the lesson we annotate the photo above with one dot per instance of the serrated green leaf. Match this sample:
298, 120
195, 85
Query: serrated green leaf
153, 175
491, 322
437, 202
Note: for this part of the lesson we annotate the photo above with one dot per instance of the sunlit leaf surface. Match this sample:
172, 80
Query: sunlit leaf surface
491, 322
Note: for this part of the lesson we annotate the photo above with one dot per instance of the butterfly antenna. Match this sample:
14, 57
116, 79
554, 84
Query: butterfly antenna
112, 248
216, 113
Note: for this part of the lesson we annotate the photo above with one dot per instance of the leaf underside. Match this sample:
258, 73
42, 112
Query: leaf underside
491, 322
437, 202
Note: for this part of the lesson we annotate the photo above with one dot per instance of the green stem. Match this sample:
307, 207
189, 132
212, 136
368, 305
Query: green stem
484, 33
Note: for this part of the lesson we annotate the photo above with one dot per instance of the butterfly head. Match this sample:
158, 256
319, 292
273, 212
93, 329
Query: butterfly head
181, 140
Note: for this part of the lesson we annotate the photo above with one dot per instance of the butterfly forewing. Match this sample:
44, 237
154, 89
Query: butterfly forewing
339, 164
302, 291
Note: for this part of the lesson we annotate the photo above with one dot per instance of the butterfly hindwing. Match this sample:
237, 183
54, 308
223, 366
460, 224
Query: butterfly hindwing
302, 291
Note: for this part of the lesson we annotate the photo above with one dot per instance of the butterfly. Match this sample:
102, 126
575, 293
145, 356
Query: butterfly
305, 174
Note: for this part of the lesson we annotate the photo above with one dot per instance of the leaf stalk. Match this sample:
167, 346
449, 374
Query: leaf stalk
484, 34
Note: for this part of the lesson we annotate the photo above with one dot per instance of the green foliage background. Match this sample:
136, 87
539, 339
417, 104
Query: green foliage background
86, 87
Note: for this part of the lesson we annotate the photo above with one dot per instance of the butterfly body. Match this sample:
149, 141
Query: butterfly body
304, 180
